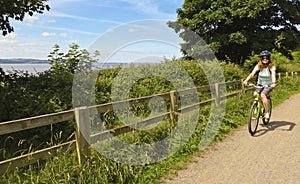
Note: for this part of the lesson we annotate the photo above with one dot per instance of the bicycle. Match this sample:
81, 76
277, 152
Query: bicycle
257, 110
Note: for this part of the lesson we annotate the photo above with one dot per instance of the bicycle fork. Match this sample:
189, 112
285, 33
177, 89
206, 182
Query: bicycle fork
260, 109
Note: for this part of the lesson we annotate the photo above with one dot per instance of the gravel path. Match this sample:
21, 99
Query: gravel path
271, 156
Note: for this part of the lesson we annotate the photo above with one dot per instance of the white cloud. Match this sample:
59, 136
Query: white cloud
3, 41
29, 44
11, 36
48, 34
75, 17
9, 39
131, 30
69, 30
145, 5
51, 21
110, 30
148, 7
26, 50
30, 20
64, 15
64, 34
63, 3
57, 3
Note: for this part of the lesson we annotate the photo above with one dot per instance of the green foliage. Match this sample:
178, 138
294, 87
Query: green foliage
16, 9
74, 60
147, 80
282, 63
296, 55
103, 84
234, 29
25, 95
232, 71
290, 65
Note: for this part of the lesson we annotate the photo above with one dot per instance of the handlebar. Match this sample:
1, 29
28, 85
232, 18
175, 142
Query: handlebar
257, 86
250, 85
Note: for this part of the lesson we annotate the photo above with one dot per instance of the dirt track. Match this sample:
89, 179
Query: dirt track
271, 156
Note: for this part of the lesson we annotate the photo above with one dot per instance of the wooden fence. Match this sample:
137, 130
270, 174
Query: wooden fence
83, 134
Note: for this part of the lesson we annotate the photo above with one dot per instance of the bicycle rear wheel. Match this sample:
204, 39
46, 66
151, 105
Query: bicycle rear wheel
253, 119
266, 121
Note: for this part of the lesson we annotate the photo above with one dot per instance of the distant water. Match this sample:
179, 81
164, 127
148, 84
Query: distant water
41, 67
30, 68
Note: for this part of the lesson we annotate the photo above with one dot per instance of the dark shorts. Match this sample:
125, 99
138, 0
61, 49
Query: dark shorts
266, 90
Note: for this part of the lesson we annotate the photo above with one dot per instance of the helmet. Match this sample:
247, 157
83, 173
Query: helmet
265, 53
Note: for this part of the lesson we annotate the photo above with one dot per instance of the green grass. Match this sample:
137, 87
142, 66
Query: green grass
99, 169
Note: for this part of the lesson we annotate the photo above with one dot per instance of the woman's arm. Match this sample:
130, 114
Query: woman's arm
251, 75
273, 71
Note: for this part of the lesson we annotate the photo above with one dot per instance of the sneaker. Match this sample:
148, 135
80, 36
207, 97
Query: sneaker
267, 115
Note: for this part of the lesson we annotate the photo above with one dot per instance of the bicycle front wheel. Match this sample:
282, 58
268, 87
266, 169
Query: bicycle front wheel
253, 119
266, 121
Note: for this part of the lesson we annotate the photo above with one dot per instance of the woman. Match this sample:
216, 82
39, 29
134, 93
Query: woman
266, 77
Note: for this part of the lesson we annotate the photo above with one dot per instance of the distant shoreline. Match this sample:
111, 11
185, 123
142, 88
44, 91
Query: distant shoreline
41, 61
23, 61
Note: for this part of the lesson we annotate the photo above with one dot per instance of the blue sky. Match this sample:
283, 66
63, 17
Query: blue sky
80, 22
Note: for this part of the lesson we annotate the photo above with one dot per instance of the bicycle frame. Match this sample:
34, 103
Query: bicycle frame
257, 110
260, 105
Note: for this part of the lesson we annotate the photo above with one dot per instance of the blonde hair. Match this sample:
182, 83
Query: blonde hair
261, 65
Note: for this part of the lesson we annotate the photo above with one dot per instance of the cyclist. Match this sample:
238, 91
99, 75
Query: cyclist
266, 77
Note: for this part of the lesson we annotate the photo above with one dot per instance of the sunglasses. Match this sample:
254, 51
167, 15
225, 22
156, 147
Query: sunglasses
262, 58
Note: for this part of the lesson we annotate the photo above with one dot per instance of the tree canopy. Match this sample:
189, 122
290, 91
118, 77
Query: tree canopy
75, 60
17, 9
234, 29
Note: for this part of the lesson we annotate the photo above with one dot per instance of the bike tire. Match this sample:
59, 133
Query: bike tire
253, 119
266, 121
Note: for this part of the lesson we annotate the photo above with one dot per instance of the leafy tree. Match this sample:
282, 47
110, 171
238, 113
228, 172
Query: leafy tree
72, 61
17, 9
234, 28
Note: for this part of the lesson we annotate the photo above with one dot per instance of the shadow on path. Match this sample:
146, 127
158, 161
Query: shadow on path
275, 125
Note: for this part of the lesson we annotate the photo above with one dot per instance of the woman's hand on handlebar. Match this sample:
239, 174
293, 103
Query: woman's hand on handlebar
245, 83
273, 85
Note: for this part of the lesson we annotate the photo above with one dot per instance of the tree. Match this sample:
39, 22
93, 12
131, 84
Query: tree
72, 61
17, 9
234, 28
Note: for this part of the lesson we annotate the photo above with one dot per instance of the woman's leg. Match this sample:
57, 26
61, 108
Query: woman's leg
264, 97
264, 100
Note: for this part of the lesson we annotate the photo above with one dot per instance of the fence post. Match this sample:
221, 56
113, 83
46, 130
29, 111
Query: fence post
243, 87
173, 102
279, 76
82, 117
217, 94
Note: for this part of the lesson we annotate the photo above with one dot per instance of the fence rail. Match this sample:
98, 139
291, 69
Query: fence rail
81, 116
31, 158
34, 122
